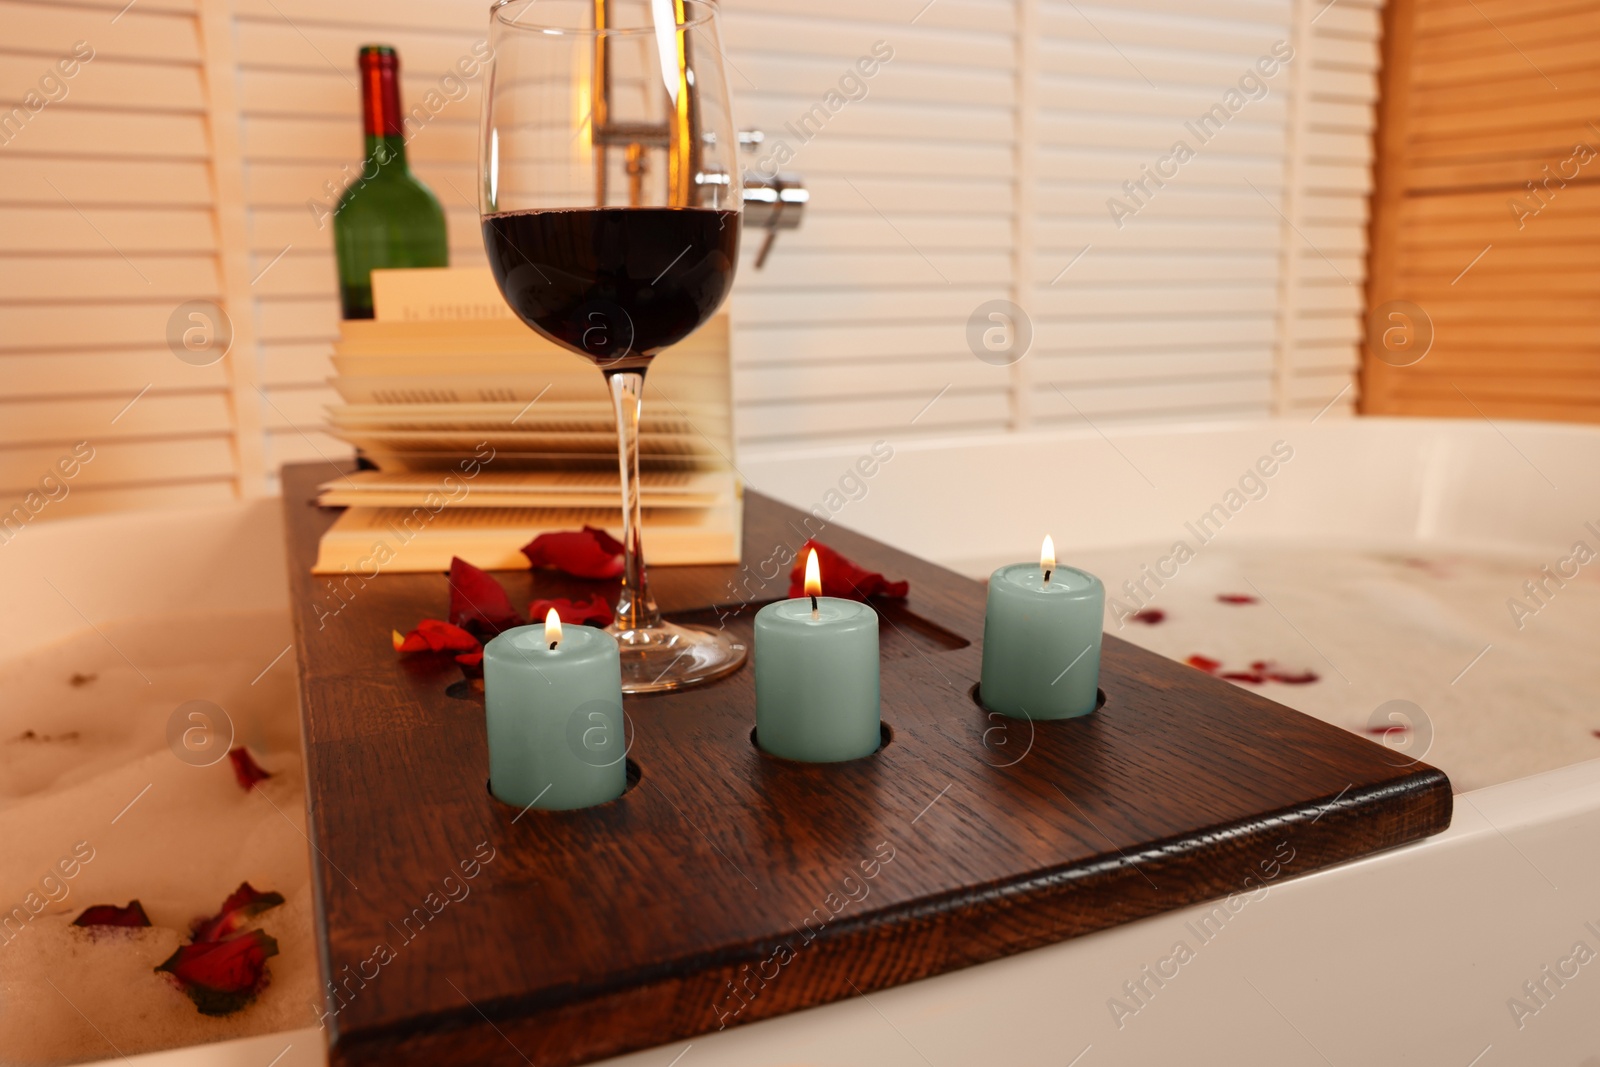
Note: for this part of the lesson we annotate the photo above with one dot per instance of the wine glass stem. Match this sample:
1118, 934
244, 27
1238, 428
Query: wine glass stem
636, 610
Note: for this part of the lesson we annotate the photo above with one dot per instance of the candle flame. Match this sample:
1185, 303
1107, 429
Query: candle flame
1047, 557
552, 627
813, 575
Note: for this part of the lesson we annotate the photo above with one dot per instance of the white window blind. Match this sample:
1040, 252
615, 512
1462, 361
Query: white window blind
974, 164
106, 223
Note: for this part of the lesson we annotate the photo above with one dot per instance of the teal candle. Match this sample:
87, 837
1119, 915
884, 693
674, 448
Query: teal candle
817, 677
1041, 640
553, 697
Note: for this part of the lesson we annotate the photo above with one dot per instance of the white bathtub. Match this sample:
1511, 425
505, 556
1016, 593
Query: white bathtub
1412, 956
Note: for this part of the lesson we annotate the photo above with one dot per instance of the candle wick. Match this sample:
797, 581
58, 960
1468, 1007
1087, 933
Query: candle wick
1047, 577
814, 614
553, 645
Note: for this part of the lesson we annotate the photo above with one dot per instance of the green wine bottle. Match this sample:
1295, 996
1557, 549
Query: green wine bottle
386, 217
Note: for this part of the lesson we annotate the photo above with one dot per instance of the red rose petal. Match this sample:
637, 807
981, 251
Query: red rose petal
1148, 616
604, 540
241, 904
1597, 733
245, 769
436, 635
586, 553
842, 576
222, 976
596, 611
111, 915
1260, 672
1385, 731
477, 601
1237, 598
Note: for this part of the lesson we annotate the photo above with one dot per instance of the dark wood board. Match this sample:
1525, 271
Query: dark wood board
593, 933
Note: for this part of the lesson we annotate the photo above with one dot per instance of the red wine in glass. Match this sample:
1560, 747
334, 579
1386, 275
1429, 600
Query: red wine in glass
616, 284
610, 200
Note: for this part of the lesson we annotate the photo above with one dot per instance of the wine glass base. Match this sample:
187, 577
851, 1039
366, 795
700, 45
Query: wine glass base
667, 656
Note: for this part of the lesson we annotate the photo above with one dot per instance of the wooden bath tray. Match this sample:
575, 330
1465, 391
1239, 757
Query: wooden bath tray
726, 886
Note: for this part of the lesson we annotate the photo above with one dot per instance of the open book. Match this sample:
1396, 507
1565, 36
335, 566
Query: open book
485, 435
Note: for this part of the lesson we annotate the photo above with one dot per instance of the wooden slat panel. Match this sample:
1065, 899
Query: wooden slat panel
813, 380
122, 373
103, 82
90, 500
106, 227
854, 417
1505, 273
121, 463
1176, 332
298, 408
90, 183
1147, 400
30, 327
1070, 92
31, 422
143, 32
95, 134
109, 277
1191, 362
296, 364
53, 230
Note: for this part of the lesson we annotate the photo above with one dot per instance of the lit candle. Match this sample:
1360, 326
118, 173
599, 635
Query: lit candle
817, 676
1041, 640
553, 697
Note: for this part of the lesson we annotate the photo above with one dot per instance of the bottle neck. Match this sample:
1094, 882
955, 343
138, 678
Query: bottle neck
386, 155
381, 117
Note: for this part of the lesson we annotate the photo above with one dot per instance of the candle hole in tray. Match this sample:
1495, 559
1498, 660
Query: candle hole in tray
634, 774
1099, 702
885, 735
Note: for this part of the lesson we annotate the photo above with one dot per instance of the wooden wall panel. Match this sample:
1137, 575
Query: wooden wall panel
1487, 214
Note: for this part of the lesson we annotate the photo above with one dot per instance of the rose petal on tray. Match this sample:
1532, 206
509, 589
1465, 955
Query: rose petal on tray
477, 602
222, 976
1204, 663
842, 577
596, 611
245, 769
243, 903
435, 635
586, 553
1237, 598
111, 915
1149, 616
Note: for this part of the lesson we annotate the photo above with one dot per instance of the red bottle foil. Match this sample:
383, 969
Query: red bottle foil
380, 91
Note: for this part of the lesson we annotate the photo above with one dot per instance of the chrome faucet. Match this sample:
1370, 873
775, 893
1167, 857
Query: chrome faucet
772, 204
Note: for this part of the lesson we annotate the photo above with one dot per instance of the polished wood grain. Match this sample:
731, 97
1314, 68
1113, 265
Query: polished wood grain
726, 886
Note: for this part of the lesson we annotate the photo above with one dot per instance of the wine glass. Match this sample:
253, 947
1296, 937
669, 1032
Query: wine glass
610, 201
